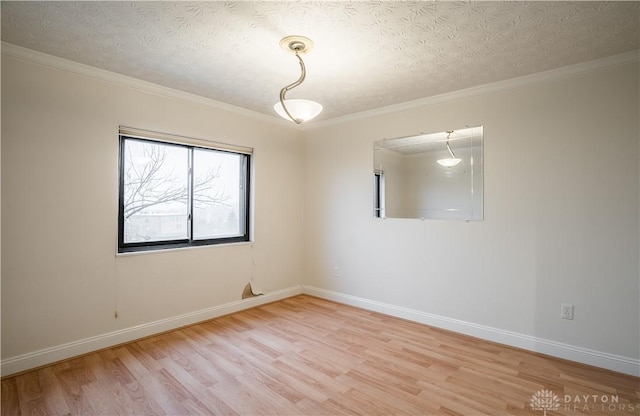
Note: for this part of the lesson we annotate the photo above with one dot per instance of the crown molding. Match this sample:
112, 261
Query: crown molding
545, 76
54, 62
29, 55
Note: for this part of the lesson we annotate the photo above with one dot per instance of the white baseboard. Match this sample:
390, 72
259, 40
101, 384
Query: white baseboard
51, 355
556, 349
46, 356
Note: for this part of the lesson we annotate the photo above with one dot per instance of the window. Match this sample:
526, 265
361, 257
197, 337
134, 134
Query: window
181, 195
378, 194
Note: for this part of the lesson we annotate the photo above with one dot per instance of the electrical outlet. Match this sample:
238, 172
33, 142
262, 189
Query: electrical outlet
566, 311
336, 272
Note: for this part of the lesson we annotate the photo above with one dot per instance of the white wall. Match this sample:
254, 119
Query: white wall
554, 230
61, 278
561, 209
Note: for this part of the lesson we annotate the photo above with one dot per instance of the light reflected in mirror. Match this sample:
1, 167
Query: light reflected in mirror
430, 176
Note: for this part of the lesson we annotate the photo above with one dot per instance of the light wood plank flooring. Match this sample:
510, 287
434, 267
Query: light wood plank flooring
307, 356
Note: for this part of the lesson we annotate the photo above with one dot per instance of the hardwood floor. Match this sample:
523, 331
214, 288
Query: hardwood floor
307, 356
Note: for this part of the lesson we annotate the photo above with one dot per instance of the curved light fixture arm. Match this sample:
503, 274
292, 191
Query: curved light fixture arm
450, 151
449, 147
284, 90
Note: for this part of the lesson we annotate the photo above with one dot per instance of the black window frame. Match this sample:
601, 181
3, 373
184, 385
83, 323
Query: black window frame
190, 241
378, 192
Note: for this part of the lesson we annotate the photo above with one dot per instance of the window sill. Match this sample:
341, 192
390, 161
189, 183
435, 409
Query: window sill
173, 249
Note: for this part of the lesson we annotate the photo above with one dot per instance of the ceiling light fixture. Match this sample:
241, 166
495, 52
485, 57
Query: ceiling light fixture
296, 110
449, 161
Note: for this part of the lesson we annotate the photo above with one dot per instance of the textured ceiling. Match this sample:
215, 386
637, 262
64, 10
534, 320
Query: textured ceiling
367, 54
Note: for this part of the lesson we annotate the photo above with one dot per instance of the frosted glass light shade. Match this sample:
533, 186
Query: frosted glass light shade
303, 110
450, 161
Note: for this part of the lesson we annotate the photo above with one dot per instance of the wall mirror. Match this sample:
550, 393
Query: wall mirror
430, 176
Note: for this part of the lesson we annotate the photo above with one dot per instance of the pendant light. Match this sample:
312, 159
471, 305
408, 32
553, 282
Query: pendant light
296, 110
449, 161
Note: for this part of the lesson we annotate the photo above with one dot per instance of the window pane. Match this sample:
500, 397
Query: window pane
218, 194
155, 192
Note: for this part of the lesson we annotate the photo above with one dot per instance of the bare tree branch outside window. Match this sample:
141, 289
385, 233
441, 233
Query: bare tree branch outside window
177, 195
154, 183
